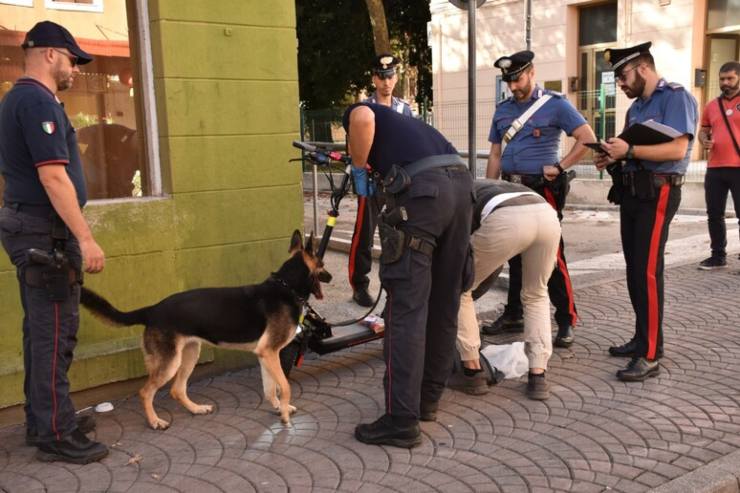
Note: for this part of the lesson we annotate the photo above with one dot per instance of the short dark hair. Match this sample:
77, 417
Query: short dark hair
646, 58
730, 67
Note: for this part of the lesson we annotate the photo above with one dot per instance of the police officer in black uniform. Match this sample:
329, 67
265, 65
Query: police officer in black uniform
425, 238
369, 203
648, 190
47, 238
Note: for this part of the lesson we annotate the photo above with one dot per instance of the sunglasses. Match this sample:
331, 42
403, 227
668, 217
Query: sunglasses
73, 60
622, 77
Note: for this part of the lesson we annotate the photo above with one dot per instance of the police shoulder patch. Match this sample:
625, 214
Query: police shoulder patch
49, 127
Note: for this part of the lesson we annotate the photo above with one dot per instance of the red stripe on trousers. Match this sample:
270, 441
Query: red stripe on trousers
356, 237
652, 266
388, 339
563, 268
54, 373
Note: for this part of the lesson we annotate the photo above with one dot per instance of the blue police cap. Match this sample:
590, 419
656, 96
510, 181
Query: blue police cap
384, 65
49, 34
619, 57
513, 65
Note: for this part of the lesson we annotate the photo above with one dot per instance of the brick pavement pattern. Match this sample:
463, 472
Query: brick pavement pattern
594, 434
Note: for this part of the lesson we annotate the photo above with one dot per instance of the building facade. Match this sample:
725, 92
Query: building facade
691, 39
185, 120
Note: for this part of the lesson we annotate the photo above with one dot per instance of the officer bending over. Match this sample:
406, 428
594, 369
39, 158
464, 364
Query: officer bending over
425, 231
510, 219
43, 199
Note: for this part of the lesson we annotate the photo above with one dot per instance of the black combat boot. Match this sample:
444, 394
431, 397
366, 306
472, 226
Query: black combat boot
390, 430
75, 448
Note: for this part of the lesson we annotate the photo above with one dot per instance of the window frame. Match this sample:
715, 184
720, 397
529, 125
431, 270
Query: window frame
149, 102
18, 3
96, 6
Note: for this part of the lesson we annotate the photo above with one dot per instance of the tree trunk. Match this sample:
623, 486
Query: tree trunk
380, 27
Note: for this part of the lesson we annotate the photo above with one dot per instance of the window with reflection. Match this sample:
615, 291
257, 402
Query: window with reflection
104, 104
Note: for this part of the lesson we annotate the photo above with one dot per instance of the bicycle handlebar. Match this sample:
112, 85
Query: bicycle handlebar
321, 156
304, 146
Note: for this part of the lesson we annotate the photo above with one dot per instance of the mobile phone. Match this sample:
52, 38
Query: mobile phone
596, 146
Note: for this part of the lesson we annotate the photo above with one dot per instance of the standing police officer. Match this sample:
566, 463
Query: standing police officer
425, 236
525, 144
650, 180
43, 198
368, 205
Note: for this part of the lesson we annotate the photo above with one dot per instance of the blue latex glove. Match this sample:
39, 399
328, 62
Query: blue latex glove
362, 185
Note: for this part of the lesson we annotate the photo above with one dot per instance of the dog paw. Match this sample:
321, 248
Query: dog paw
292, 409
286, 422
202, 409
159, 424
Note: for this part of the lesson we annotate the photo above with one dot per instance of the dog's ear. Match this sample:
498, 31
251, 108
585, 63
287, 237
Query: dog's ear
309, 244
296, 242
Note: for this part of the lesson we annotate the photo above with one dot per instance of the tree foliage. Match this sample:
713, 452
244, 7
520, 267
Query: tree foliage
335, 47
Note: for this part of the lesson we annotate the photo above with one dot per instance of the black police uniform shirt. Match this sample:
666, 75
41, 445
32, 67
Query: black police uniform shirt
35, 131
400, 139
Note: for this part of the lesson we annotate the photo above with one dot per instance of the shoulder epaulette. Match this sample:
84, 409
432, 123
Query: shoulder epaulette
554, 94
675, 86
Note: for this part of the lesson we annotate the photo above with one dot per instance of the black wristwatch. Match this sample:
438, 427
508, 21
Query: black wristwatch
560, 168
630, 152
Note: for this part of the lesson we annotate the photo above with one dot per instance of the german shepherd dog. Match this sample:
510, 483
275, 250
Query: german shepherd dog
261, 318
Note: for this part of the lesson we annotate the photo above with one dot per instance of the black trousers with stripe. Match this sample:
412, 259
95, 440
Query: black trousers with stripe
49, 329
644, 227
424, 292
361, 249
559, 286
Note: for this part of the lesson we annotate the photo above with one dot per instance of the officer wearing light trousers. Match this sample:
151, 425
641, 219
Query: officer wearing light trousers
509, 219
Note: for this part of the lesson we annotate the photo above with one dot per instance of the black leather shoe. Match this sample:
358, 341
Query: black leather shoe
504, 323
639, 369
627, 350
85, 423
76, 448
537, 387
387, 430
564, 337
363, 298
428, 411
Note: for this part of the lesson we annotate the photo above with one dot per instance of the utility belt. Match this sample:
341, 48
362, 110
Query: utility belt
394, 240
531, 181
641, 183
51, 271
42, 211
398, 179
630, 178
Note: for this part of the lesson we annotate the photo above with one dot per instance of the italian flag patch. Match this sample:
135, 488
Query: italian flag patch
49, 127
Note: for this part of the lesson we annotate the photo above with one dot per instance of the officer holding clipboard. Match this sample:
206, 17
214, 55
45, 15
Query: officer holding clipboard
654, 149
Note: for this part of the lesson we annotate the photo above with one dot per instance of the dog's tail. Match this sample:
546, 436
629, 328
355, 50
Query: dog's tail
101, 308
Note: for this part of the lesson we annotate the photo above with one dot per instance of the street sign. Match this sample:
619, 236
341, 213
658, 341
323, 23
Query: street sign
463, 4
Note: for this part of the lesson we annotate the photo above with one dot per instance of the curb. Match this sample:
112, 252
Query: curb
719, 476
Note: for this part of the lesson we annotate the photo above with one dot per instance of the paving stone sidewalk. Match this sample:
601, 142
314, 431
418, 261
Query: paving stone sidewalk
593, 434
